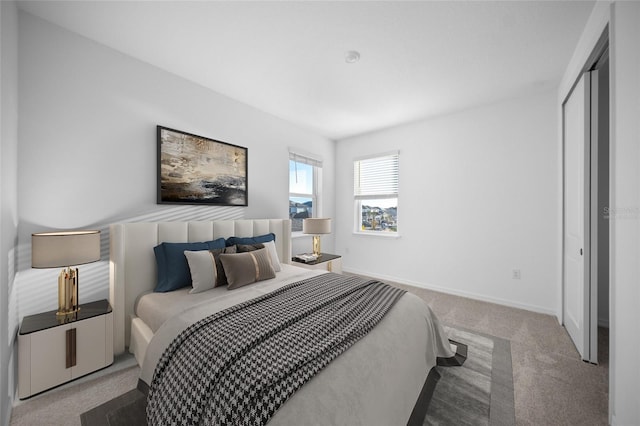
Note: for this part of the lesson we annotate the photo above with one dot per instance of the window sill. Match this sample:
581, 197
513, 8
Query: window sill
376, 234
299, 234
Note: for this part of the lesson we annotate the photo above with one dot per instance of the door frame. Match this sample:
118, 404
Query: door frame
599, 52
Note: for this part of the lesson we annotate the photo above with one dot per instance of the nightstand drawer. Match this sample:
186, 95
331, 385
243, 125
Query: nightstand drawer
90, 347
46, 357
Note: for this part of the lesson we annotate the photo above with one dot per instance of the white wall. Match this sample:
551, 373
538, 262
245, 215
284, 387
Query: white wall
8, 197
87, 153
625, 226
478, 198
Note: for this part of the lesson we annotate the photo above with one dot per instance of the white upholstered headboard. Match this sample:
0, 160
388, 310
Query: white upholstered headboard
133, 265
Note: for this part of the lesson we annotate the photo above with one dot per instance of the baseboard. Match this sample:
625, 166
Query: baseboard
468, 295
12, 389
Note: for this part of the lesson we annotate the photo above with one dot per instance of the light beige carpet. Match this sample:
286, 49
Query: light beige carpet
62, 406
552, 385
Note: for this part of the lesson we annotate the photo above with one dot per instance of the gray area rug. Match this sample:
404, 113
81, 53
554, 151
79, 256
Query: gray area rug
480, 392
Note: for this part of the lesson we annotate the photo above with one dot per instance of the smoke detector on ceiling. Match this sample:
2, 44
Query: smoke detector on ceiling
352, 57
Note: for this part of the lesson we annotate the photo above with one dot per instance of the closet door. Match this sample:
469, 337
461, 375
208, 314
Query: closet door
576, 233
577, 295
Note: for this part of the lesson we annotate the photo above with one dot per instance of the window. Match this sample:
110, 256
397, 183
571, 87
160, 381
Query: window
304, 187
375, 191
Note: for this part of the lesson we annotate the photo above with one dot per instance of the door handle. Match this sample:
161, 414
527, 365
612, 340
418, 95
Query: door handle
580, 252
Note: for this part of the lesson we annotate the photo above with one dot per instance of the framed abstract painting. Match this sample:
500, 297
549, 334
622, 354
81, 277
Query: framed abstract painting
195, 169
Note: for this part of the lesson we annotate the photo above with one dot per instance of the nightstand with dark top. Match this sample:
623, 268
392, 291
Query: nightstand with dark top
326, 261
53, 350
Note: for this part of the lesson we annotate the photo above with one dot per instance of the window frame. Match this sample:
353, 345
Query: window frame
316, 187
359, 198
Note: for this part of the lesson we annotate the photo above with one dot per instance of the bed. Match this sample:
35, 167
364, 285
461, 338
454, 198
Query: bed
376, 381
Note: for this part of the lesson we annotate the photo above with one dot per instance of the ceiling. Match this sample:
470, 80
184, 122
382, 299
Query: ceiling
418, 60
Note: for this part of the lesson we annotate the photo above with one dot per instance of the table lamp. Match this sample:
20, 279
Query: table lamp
315, 227
65, 249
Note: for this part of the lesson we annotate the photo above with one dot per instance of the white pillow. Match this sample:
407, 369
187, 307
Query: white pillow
271, 246
203, 270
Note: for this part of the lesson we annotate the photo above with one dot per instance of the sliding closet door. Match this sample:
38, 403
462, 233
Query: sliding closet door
576, 265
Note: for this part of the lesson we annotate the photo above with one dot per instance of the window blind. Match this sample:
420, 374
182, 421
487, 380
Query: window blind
304, 159
376, 177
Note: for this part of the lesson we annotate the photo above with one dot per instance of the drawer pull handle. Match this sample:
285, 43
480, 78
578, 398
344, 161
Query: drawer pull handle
71, 347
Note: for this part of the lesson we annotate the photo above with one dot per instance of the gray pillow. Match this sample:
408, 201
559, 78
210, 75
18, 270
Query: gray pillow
247, 268
221, 276
243, 248
269, 245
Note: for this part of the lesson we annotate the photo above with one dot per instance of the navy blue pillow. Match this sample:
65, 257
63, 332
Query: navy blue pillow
232, 241
173, 269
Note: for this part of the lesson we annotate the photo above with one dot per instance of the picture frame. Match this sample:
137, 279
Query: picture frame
195, 169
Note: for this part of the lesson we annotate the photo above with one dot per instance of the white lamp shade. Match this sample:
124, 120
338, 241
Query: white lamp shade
62, 249
316, 226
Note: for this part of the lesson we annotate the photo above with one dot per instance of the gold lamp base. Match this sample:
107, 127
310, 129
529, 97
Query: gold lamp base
316, 245
68, 292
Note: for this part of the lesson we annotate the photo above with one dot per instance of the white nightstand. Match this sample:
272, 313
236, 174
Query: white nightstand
328, 262
52, 351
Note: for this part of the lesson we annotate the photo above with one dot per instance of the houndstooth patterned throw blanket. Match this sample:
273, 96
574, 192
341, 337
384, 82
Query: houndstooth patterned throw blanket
239, 365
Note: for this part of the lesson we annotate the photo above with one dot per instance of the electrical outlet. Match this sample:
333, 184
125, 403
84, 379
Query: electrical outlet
516, 274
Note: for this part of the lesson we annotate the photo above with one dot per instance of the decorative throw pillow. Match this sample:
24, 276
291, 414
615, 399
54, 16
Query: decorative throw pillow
271, 247
173, 269
221, 276
202, 266
243, 248
232, 241
247, 268
275, 261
